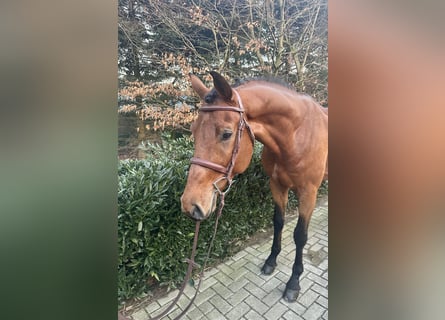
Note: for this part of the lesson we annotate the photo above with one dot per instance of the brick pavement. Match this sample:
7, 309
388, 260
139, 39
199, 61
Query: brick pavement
236, 289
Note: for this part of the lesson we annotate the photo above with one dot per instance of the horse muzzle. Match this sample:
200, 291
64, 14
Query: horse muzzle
196, 213
195, 209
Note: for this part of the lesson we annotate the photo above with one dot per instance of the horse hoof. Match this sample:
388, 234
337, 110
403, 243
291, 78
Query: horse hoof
267, 270
290, 295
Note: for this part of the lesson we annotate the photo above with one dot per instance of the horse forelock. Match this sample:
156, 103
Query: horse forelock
211, 96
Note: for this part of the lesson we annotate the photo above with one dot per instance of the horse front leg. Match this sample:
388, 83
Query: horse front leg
280, 195
307, 204
278, 222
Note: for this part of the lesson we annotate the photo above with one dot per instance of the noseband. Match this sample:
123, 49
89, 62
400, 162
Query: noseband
226, 170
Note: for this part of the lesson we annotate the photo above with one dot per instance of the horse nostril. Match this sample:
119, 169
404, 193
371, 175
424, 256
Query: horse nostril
197, 213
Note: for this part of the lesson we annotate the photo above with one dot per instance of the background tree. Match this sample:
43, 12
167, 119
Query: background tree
161, 41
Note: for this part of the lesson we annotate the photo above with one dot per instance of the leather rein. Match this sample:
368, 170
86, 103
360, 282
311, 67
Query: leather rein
227, 173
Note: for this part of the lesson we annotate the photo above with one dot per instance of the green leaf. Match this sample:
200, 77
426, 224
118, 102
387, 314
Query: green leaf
154, 275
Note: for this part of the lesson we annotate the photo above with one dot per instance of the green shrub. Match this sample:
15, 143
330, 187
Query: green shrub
155, 237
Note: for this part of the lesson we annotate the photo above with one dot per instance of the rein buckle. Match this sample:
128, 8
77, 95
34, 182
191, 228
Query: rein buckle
229, 184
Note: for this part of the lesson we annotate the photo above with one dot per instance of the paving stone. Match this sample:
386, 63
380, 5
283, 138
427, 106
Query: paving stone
140, 315
221, 304
255, 290
296, 307
258, 279
215, 315
194, 314
207, 283
324, 243
235, 286
283, 277
236, 289
157, 312
253, 251
321, 290
240, 255
189, 291
257, 304
152, 307
210, 273
305, 284
276, 311
237, 297
238, 273
325, 275
258, 261
308, 298
174, 313
252, 315
239, 264
311, 241
317, 246
286, 268
287, 248
325, 315
238, 311
206, 307
222, 277
221, 289
253, 267
265, 247
271, 284
273, 297
204, 296
324, 264
226, 269
322, 301
322, 282
313, 269
291, 315
183, 302
314, 312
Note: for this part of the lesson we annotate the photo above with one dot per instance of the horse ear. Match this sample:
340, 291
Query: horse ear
222, 86
198, 86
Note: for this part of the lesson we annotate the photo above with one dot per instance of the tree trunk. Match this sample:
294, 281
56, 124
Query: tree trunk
142, 131
135, 66
280, 43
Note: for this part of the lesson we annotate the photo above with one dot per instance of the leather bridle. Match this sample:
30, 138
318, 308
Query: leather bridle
226, 170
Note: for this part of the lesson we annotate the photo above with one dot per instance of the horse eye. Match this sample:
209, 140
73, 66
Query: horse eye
226, 135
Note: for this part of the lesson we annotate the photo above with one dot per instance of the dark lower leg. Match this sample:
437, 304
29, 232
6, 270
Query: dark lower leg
300, 238
278, 222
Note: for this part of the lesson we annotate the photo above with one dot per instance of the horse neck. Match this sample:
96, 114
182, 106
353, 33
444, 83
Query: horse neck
274, 114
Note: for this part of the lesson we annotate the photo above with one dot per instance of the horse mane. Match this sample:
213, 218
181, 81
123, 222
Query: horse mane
213, 94
270, 79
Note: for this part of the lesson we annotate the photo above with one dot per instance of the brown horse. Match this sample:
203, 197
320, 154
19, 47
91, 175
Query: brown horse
294, 131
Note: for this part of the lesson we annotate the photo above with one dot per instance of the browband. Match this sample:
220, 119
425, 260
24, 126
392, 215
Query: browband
241, 125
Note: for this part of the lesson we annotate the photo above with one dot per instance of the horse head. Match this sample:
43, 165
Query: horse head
222, 148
